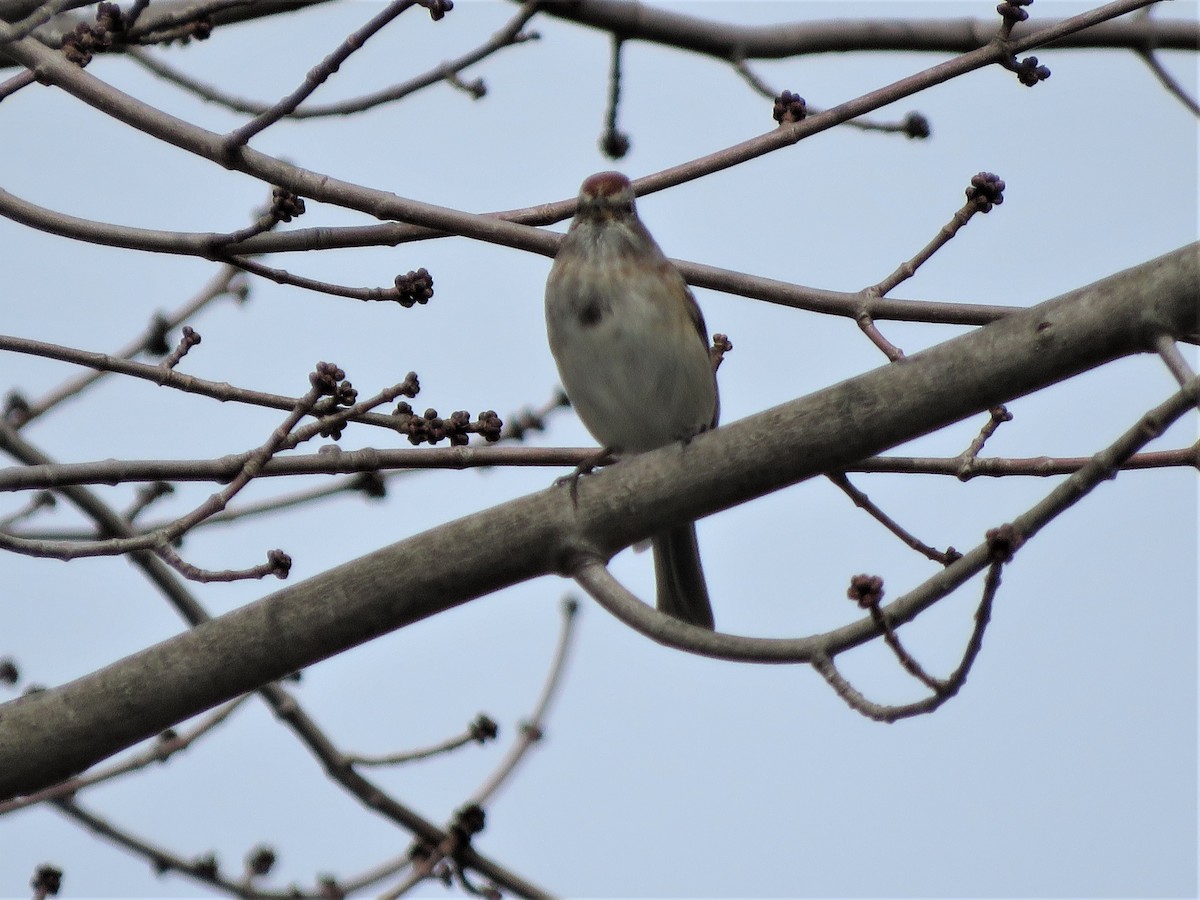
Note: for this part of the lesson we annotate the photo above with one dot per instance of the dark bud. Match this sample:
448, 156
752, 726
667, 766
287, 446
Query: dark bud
469, 822
281, 563
1029, 72
47, 880
457, 426
202, 28
614, 144
490, 425
260, 860
438, 8
371, 484
1011, 11
916, 126
866, 590
483, 729
415, 287
285, 205
986, 191
329, 889
206, 866
1003, 542
110, 18
789, 108
325, 378
16, 409
411, 385
156, 336
9, 673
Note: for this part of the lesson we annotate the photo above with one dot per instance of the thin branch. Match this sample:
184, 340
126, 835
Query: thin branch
984, 192
54, 69
533, 728
470, 818
286, 707
159, 539
163, 748
164, 377
862, 501
282, 276
479, 731
1002, 467
913, 125
614, 143
398, 461
17, 82
285, 436
370, 476
1169, 351
315, 77
508, 36
943, 690
1168, 81
40, 500
201, 244
42, 14
199, 869
226, 282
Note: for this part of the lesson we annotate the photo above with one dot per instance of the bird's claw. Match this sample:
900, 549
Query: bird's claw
589, 465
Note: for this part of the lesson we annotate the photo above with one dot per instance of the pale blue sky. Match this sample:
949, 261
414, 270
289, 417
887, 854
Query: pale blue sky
1066, 767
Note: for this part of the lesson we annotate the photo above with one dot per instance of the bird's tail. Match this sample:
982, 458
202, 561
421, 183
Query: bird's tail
682, 592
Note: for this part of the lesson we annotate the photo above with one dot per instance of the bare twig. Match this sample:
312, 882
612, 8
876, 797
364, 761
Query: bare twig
533, 728
315, 77
841, 303
162, 749
984, 192
41, 14
1174, 88
913, 125
997, 416
942, 689
480, 731
287, 709
323, 188
862, 501
1169, 351
508, 36
226, 282
11, 85
40, 500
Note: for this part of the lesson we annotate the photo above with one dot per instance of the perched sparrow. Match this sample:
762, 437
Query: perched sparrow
632, 352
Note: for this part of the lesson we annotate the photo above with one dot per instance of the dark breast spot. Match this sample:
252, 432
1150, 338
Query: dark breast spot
590, 314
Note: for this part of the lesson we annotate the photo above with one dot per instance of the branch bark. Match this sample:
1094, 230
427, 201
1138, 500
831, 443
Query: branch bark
47, 736
639, 21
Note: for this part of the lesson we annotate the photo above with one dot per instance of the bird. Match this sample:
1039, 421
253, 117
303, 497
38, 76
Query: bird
632, 351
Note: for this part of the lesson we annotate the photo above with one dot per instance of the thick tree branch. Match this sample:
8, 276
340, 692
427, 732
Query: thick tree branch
51, 735
643, 22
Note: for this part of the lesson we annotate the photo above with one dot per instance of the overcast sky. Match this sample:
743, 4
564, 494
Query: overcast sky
1067, 765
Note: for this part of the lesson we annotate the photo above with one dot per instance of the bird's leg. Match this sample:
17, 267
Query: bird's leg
603, 457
